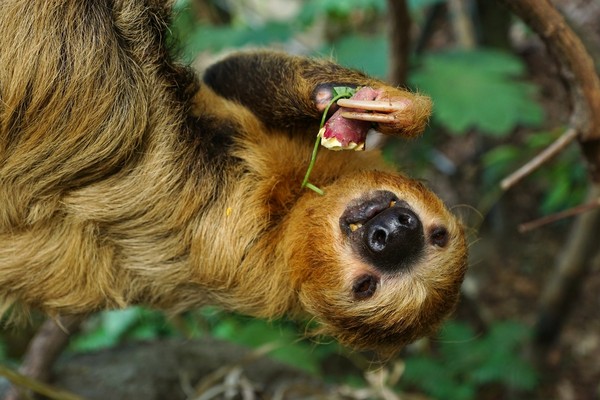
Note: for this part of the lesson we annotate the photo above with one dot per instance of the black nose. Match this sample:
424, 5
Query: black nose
393, 239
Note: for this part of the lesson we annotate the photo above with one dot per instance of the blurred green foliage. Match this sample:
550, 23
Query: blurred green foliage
460, 363
374, 64
563, 180
192, 37
482, 90
290, 347
109, 328
338, 10
465, 363
478, 90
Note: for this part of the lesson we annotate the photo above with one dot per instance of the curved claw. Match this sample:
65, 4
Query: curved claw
371, 117
392, 111
374, 105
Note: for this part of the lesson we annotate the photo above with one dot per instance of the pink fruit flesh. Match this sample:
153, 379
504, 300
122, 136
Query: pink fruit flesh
347, 133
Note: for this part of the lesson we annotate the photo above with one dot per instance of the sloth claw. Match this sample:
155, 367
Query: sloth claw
373, 105
371, 117
400, 113
377, 111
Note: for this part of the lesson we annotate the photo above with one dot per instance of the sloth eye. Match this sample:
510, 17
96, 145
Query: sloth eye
439, 236
365, 287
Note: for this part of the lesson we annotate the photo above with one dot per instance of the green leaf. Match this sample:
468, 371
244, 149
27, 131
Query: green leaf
508, 335
503, 361
466, 361
422, 371
151, 324
343, 91
456, 346
106, 329
117, 322
521, 376
94, 340
557, 195
435, 379
478, 90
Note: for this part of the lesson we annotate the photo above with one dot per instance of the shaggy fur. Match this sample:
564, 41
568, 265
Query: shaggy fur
125, 180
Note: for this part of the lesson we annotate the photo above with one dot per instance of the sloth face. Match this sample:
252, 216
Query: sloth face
384, 260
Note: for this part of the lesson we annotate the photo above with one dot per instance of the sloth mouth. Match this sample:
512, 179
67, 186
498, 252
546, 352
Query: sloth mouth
360, 211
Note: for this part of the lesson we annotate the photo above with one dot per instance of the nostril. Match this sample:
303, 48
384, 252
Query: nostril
407, 221
378, 240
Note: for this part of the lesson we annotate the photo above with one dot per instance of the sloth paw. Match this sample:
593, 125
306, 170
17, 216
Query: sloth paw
392, 111
387, 110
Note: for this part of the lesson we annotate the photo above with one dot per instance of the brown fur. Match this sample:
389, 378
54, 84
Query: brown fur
123, 180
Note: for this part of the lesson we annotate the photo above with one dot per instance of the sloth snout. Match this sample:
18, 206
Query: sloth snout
384, 231
393, 239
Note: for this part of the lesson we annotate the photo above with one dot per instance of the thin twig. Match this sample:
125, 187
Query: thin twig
215, 377
39, 387
571, 212
563, 141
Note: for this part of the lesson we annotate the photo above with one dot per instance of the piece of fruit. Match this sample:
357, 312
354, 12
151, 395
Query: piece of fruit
340, 133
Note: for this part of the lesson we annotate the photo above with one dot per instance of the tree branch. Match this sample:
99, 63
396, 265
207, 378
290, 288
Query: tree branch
563, 141
400, 24
576, 66
571, 212
462, 24
45, 347
37, 386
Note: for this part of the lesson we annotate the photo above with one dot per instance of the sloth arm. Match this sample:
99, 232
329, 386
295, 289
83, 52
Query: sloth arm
291, 92
282, 91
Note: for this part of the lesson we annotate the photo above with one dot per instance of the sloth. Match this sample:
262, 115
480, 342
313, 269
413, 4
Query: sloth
127, 179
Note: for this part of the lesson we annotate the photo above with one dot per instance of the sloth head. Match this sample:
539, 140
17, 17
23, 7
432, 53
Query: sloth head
378, 260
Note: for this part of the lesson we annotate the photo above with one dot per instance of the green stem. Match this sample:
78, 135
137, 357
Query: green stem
313, 187
313, 158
